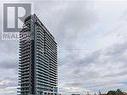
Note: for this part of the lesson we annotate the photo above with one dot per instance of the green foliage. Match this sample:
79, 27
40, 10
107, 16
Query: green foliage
117, 92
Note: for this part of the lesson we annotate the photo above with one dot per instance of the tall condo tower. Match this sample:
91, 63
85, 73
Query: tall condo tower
38, 59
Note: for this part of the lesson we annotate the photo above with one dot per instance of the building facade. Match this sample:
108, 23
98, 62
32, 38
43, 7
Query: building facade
38, 59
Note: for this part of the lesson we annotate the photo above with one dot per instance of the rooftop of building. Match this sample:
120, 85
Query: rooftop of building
36, 19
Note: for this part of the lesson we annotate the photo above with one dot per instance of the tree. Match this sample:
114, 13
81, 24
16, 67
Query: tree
117, 92
111, 93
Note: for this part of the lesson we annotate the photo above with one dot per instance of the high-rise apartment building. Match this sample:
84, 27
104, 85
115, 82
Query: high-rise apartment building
38, 59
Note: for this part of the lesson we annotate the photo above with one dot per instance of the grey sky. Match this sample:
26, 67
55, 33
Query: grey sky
92, 45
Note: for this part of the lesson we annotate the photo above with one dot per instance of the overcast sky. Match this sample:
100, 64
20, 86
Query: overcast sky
92, 45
